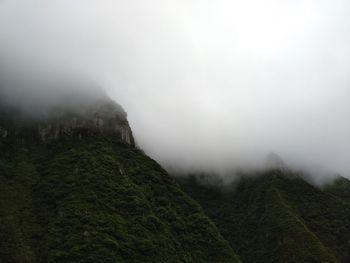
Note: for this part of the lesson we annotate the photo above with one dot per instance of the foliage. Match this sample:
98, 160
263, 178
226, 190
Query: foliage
276, 217
339, 187
97, 200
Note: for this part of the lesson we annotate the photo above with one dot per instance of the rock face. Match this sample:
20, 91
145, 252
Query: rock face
102, 117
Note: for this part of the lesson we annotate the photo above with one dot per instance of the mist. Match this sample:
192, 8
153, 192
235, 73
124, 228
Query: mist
207, 86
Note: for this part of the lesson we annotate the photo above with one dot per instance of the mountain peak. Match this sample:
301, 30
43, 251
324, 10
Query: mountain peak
72, 113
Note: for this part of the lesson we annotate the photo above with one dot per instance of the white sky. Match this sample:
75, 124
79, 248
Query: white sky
206, 84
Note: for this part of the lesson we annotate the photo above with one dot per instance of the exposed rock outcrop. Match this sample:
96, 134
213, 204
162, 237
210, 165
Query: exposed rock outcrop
102, 117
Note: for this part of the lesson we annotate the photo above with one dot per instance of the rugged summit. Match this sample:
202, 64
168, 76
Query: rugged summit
104, 117
49, 111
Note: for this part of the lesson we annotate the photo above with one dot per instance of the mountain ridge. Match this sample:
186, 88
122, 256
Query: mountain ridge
276, 217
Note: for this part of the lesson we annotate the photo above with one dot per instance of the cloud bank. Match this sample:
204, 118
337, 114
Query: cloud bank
207, 85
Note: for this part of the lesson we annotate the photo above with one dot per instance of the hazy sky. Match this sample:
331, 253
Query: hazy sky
206, 84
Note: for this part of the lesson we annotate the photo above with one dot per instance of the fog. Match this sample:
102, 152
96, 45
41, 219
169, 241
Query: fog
208, 85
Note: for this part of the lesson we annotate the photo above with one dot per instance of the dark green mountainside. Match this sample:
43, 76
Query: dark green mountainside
77, 190
278, 217
340, 187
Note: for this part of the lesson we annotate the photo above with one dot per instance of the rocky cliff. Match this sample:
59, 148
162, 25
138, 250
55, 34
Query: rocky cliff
102, 117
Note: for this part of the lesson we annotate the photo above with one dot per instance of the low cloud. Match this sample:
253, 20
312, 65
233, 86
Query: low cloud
208, 86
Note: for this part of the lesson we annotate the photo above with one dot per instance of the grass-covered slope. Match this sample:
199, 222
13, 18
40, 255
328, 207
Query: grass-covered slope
96, 199
277, 217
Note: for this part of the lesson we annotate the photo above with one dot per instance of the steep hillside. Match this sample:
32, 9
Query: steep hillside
277, 217
340, 187
75, 189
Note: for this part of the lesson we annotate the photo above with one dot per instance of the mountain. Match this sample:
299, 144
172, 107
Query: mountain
75, 188
277, 216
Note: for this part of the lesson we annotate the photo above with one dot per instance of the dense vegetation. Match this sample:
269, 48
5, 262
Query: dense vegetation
278, 217
339, 187
97, 199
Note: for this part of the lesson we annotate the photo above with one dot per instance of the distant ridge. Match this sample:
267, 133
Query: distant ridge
277, 216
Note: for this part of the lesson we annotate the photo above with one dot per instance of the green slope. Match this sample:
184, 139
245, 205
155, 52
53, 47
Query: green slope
277, 217
96, 199
339, 187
